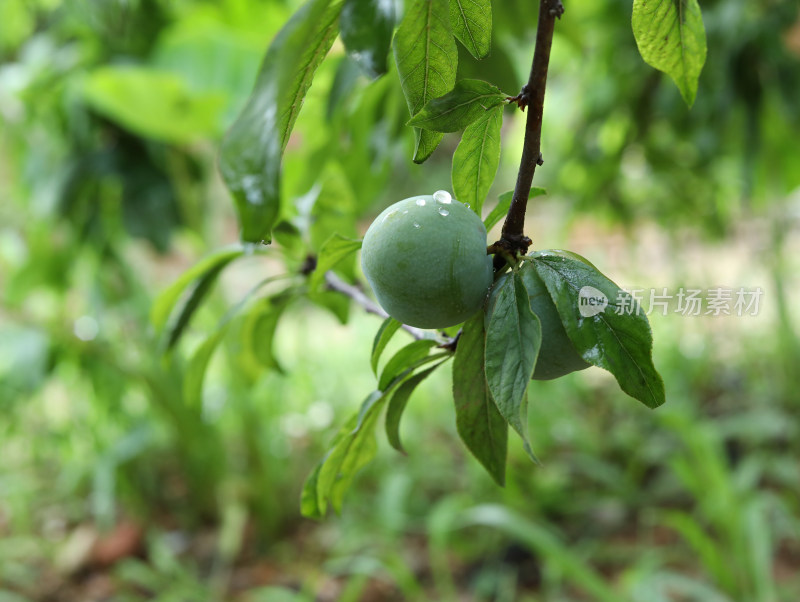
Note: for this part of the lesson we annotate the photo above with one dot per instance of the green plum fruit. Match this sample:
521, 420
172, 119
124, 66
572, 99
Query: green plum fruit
425, 258
557, 355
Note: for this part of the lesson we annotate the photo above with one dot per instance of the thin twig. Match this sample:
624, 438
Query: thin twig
532, 95
356, 294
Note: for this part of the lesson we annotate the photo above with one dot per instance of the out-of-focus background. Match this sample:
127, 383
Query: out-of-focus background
112, 488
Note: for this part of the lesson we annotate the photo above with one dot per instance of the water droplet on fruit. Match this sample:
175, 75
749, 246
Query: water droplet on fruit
421, 202
443, 211
442, 196
466, 205
416, 225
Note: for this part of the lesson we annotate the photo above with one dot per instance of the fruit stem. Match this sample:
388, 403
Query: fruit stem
532, 95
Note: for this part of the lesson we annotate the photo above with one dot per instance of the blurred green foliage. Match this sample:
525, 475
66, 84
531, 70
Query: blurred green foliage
111, 113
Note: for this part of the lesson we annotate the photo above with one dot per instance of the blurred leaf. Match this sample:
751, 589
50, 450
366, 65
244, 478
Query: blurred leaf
427, 58
544, 544
714, 559
258, 330
352, 448
476, 160
756, 525
310, 503
513, 338
618, 338
344, 81
472, 25
333, 250
289, 238
366, 27
153, 104
466, 103
203, 275
24, 361
213, 56
480, 425
19, 21
334, 211
501, 209
405, 359
385, 333
336, 303
196, 369
671, 38
498, 67
251, 150
397, 405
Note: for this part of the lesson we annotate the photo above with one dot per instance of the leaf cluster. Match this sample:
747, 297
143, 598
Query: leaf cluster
493, 363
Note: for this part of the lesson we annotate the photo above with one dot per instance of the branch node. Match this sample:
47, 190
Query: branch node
309, 265
523, 99
451, 344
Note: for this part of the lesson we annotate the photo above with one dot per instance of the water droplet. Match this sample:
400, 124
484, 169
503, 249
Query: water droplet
443, 211
416, 225
421, 202
442, 196
406, 211
466, 205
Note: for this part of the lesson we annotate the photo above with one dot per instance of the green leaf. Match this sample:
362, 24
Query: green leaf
309, 499
196, 369
335, 209
501, 209
204, 276
333, 250
713, 558
476, 160
480, 425
466, 103
513, 338
259, 326
397, 405
427, 58
671, 37
352, 448
334, 302
165, 302
251, 151
366, 27
472, 25
405, 359
153, 103
382, 338
617, 338
344, 83
198, 364
258, 330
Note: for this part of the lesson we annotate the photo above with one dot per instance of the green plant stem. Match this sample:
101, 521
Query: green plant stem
513, 238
